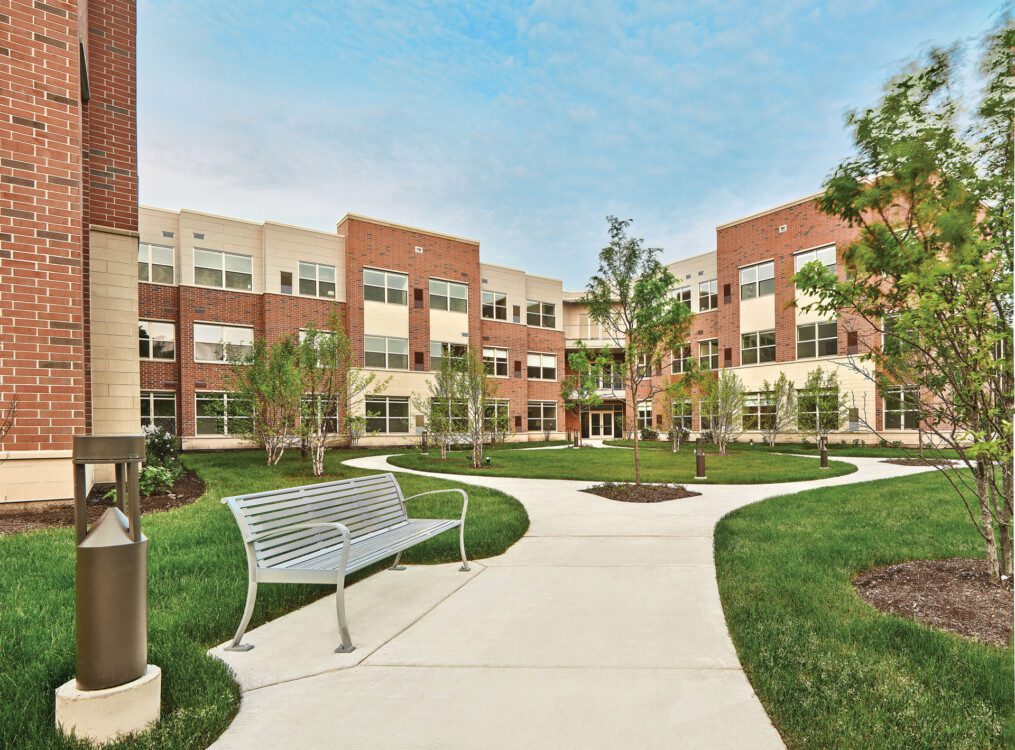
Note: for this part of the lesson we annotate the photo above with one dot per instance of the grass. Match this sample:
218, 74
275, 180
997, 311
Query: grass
196, 590
805, 449
604, 465
831, 671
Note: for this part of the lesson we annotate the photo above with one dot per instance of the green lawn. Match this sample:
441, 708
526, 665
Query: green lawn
197, 586
809, 449
832, 671
605, 465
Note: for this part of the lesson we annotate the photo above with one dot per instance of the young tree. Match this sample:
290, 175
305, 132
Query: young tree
821, 409
723, 400
781, 401
268, 377
476, 390
443, 408
929, 192
680, 391
332, 387
631, 297
579, 389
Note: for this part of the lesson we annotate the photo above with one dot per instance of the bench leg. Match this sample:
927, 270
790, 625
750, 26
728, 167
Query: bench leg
343, 626
248, 611
395, 565
461, 546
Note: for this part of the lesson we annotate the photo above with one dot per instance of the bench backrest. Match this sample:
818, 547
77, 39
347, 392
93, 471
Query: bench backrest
363, 504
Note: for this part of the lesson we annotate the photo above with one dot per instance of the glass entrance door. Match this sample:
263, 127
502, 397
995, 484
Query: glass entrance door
601, 424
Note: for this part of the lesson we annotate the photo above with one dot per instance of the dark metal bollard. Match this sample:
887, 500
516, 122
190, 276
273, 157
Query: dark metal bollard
423, 446
112, 568
699, 461
824, 453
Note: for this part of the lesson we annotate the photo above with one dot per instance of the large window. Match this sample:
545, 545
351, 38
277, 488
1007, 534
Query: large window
542, 416
457, 414
496, 362
819, 339
222, 414
542, 366
610, 377
683, 294
708, 354
708, 295
386, 353
155, 263
223, 270
824, 255
216, 343
645, 415
495, 415
441, 349
818, 413
757, 347
158, 409
385, 286
681, 359
682, 413
321, 408
902, 408
757, 281
759, 413
317, 280
387, 414
156, 340
495, 305
541, 314
447, 295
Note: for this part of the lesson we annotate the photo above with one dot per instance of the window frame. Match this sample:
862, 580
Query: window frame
822, 399
754, 285
800, 258
680, 293
643, 415
223, 270
817, 340
759, 412
226, 416
388, 353
710, 293
542, 419
222, 343
498, 404
711, 356
447, 295
308, 400
902, 411
757, 348
541, 366
446, 348
495, 305
149, 398
387, 417
492, 362
143, 323
316, 280
685, 416
389, 291
148, 248
541, 316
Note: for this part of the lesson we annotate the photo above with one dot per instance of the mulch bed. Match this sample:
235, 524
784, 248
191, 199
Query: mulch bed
641, 493
956, 595
19, 517
918, 461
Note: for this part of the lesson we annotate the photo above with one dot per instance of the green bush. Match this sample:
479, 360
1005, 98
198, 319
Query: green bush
647, 433
156, 480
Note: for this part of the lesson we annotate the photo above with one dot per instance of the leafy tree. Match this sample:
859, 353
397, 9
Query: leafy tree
579, 389
681, 391
929, 193
821, 409
723, 400
476, 391
630, 296
443, 407
332, 385
780, 398
269, 379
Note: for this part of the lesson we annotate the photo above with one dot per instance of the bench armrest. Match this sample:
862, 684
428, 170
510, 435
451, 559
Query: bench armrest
465, 499
341, 528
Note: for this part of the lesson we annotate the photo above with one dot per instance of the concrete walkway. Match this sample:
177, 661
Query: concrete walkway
601, 627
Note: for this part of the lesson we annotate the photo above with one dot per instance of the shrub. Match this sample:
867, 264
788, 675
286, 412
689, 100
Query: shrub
156, 480
159, 445
647, 433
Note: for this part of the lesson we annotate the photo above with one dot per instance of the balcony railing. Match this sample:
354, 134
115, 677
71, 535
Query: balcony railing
592, 336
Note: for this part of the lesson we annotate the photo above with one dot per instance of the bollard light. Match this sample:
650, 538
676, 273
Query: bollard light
824, 453
699, 460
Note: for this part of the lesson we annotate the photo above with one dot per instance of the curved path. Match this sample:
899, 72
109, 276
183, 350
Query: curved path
601, 627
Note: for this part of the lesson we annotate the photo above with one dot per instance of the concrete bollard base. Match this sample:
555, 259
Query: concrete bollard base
102, 715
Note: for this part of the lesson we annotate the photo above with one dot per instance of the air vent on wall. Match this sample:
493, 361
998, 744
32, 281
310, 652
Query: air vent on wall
198, 235
419, 250
782, 228
170, 235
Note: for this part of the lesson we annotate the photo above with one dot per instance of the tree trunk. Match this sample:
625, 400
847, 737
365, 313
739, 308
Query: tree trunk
1003, 510
637, 460
983, 493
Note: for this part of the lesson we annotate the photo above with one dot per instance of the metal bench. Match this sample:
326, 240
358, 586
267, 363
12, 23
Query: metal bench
320, 533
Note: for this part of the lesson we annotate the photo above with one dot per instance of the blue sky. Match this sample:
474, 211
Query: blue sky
520, 124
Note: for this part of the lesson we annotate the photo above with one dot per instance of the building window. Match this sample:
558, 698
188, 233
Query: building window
682, 414
824, 255
155, 263
496, 362
902, 408
441, 349
222, 414
495, 415
681, 359
708, 354
757, 347
387, 414
385, 286
708, 295
457, 414
158, 409
757, 281
705, 420
317, 280
645, 415
386, 353
285, 282
447, 295
820, 412
610, 378
819, 339
221, 270
541, 314
542, 416
156, 340
495, 305
542, 366
321, 408
759, 413
683, 294
215, 343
